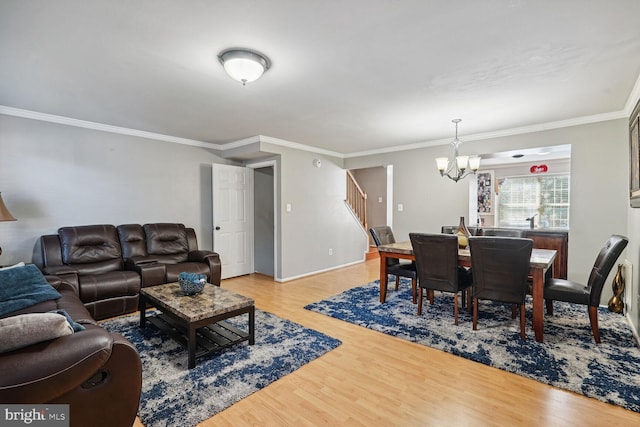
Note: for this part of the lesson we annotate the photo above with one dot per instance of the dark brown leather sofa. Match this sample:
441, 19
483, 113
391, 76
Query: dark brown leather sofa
108, 265
97, 373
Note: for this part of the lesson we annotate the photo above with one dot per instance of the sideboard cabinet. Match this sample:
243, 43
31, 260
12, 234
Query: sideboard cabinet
558, 240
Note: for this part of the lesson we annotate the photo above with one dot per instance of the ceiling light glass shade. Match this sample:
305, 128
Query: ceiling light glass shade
474, 163
244, 65
462, 162
442, 163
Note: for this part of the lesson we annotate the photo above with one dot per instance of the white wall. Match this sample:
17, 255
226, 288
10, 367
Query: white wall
54, 175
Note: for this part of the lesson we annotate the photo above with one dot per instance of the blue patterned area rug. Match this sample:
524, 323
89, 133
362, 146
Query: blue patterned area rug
173, 395
568, 359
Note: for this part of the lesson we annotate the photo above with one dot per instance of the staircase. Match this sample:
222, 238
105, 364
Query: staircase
372, 253
357, 200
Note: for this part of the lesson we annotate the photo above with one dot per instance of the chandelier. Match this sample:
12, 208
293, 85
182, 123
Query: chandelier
460, 166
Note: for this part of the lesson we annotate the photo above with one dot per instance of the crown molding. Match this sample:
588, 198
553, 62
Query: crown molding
500, 133
10, 111
633, 99
297, 146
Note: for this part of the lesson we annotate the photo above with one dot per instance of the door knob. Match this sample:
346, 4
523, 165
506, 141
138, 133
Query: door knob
217, 227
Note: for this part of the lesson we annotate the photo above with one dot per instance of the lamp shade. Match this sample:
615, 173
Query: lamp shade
5, 215
244, 65
442, 163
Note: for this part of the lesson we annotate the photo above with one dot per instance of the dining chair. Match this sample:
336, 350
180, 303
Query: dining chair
501, 232
383, 235
589, 294
437, 267
500, 268
451, 229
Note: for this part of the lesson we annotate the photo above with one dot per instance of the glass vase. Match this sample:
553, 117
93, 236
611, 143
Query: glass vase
463, 234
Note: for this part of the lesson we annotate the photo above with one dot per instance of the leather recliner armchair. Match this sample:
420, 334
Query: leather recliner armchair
97, 373
90, 258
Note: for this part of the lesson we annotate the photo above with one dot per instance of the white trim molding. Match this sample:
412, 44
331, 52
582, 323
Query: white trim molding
635, 94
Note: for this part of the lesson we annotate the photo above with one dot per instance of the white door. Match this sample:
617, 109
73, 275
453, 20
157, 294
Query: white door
233, 218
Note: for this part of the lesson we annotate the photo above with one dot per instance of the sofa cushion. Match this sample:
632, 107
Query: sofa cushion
21, 287
27, 329
174, 270
89, 244
167, 240
109, 285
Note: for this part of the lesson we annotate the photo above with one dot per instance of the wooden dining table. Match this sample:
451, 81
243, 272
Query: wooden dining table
541, 266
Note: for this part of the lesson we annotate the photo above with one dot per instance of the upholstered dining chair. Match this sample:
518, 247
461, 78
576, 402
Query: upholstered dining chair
383, 235
437, 267
500, 268
451, 229
589, 294
502, 232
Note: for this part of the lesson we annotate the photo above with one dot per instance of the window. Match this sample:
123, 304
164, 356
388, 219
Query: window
547, 197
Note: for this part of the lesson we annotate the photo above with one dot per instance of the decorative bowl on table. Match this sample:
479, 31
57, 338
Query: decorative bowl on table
192, 283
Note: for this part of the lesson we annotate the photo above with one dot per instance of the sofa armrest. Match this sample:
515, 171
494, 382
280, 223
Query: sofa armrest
44, 371
59, 270
202, 256
150, 271
139, 260
212, 259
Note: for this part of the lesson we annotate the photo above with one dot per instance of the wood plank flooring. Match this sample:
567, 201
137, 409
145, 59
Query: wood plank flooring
377, 380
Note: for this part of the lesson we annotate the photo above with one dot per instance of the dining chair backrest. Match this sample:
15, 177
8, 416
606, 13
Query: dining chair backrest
451, 229
436, 260
500, 267
605, 260
383, 235
502, 232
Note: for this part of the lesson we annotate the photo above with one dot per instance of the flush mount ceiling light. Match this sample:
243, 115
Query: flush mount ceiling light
244, 65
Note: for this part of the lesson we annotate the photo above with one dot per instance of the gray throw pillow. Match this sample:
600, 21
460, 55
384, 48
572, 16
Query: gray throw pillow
27, 329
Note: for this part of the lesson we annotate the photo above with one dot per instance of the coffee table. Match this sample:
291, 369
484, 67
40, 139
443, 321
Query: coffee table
198, 321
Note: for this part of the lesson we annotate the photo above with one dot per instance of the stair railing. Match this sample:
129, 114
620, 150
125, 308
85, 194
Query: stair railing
357, 200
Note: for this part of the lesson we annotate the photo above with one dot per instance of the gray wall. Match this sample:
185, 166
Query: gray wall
54, 175
319, 219
599, 187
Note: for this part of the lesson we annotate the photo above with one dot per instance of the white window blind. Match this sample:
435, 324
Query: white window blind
544, 196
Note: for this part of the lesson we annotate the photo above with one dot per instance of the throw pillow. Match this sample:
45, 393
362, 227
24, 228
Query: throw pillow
22, 287
27, 329
77, 327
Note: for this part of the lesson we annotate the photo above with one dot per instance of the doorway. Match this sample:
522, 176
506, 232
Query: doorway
264, 220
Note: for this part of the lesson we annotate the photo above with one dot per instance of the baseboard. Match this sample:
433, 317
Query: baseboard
287, 279
634, 331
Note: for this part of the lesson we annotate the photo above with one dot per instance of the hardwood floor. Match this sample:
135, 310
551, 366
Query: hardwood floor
377, 380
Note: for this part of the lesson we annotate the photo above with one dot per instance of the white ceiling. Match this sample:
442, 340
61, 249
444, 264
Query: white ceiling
347, 76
